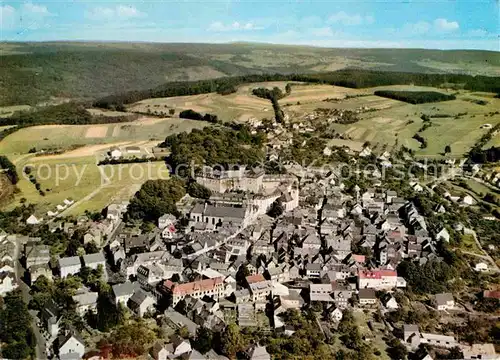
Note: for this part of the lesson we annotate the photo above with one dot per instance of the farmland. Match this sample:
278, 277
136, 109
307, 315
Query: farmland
78, 148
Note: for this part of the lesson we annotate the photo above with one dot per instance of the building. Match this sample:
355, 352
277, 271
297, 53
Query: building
257, 352
36, 254
71, 346
85, 302
166, 220
214, 288
40, 270
321, 292
367, 297
141, 302
94, 260
7, 283
69, 266
377, 279
260, 290
444, 301
123, 292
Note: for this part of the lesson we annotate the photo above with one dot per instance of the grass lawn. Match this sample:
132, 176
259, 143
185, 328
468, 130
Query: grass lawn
70, 136
82, 180
467, 243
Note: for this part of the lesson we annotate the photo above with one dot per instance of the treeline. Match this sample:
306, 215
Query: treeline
67, 114
352, 78
478, 155
415, 97
274, 95
9, 169
421, 140
132, 160
194, 115
214, 146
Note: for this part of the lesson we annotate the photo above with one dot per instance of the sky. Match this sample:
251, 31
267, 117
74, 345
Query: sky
435, 24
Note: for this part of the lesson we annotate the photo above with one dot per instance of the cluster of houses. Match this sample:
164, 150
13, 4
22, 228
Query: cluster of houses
225, 255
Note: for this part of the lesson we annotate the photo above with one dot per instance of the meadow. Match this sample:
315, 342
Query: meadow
81, 147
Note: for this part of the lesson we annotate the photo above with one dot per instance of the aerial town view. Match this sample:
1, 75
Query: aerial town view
250, 180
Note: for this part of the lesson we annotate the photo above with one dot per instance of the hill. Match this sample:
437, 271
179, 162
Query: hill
32, 73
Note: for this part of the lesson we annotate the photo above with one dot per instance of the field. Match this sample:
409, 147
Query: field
391, 121
240, 106
73, 171
467, 243
70, 136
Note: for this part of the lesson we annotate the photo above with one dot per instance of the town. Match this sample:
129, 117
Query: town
258, 264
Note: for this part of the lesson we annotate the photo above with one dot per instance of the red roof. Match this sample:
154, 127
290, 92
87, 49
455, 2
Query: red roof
195, 286
359, 258
255, 278
491, 294
376, 274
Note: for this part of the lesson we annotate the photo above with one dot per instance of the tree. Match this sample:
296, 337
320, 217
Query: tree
276, 209
232, 341
198, 191
15, 328
171, 111
204, 340
447, 149
183, 332
288, 89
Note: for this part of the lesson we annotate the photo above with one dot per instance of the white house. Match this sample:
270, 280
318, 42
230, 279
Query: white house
115, 153
481, 267
85, 302
69, 266
141, 302
94, 260
443, 234
468, 200
166, 220
33, 220
71, 346
444, 301
7, 282
123, 292
336, 315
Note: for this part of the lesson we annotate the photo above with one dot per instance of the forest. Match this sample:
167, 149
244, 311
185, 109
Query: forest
194, 115
67, 114
352, 78
214, 146
415, 97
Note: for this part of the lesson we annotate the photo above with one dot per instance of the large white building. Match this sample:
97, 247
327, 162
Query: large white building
377, 279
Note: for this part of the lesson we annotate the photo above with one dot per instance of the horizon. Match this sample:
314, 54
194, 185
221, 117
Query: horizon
460, 25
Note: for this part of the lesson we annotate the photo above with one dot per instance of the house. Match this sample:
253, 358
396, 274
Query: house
71, 345
336, 314
257, 352
178, 346
115, 153
166, 220
444, 301
260, 290
94, 260
321, 292
176, 320
390, 302
33, 220
40, 270
141, 302
50, 317
377, 279
443, 234
468, 200
367, 297
481, 267
36, 254
198, 289
123, 292
7, 283
69, 266
85, 302
159, 351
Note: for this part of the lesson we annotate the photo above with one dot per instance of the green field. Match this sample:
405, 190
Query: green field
83, 146
80, 179
467, 243
70, 136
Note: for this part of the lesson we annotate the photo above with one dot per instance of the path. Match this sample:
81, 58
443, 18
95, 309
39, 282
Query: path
486, 255
85, 198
